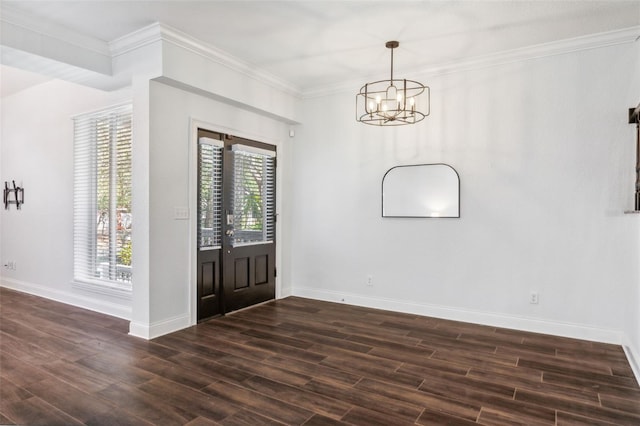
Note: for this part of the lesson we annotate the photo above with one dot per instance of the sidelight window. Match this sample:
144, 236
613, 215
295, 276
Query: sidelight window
210, 153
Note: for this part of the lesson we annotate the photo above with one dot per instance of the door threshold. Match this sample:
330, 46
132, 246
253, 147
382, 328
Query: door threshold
249, 307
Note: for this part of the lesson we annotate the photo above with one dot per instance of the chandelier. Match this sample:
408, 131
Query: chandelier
392, 102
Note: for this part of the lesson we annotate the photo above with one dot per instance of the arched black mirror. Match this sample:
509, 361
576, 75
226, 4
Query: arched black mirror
421, 190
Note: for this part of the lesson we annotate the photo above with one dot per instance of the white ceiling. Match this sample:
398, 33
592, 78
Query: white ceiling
314, 44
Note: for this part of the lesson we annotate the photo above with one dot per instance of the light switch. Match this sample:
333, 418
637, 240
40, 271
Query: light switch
181, 213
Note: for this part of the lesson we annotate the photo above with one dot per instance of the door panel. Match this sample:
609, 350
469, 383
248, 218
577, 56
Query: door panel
249, 238
209, 278
251, 280
236, 223
208, 284
209, 220
262, 269
241, 273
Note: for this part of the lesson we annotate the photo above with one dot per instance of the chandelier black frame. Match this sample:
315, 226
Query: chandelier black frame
392, 102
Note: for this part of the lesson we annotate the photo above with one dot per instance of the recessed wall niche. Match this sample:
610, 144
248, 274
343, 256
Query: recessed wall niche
420, 191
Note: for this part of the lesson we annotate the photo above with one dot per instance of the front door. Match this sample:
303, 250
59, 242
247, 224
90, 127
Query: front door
236, 223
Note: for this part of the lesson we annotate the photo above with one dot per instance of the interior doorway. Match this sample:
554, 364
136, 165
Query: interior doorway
236, 220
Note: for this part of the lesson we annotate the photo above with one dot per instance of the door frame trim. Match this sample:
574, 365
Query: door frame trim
192, 186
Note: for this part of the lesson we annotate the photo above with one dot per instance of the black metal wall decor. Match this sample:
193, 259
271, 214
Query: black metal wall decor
18, 195
634, 118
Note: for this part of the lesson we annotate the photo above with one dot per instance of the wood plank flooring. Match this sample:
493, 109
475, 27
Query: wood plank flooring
301, 362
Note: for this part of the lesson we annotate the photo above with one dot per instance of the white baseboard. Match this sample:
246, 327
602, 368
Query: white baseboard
141, 330
633, 356
93, 304
151, 331
160, 328
576, 331
285, 292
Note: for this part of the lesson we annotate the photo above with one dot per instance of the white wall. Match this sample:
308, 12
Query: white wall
545, 157
235, 99
36, 148
542, 146
173, 114
204, 87
37, 151
632, 320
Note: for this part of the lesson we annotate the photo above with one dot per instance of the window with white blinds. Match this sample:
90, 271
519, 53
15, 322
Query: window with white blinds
253, 198
210, 153
102, 197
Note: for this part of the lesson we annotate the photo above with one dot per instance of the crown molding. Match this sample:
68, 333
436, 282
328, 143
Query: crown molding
555, 48
559, 47
162, 32
137, 39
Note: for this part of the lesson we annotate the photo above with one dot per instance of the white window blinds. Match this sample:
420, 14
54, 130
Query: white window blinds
102, 197
253, 198
210, 153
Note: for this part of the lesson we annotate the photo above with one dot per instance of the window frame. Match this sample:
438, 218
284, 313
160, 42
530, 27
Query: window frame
247, 156
85, 207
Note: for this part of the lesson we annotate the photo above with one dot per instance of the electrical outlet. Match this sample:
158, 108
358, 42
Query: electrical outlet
533, 297
10, 265
369, 281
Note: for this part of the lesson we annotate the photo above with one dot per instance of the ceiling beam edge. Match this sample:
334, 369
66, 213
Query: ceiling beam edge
159, 31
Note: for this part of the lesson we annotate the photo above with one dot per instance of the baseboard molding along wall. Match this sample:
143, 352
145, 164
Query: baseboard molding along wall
575, 331
633, 355
284, 292
92, 304
159, 328
151, 331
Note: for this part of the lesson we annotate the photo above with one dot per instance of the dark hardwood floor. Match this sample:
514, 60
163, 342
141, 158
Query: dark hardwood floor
298, 361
